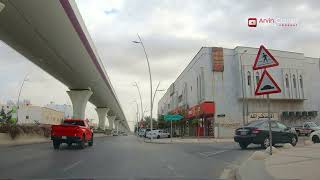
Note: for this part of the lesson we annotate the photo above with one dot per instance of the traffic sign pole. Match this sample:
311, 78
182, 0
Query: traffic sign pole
269, 121
266, 84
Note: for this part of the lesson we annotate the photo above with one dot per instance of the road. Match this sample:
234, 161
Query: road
123, 157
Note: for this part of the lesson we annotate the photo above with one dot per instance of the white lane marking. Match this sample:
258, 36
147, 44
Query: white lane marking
208, 154
72, 165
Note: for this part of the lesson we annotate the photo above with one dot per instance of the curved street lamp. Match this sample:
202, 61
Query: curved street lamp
24, 80
145, 53
141, 108
242, 85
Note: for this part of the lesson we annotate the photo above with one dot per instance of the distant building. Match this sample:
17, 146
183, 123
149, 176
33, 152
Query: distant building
217, 89
39, 115
66, 109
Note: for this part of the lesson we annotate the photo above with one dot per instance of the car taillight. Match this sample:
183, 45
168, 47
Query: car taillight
255, 131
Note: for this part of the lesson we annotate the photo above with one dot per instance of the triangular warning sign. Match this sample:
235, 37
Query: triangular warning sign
267, 85
264, 59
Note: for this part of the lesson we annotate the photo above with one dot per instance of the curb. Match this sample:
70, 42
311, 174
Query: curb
181, 142
253, 170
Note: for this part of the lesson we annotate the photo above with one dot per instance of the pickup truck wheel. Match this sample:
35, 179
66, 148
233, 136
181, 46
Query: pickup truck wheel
169, 136
294, 140
315, 139
56, 144
82, 144
90, 143
158, 137
69, 144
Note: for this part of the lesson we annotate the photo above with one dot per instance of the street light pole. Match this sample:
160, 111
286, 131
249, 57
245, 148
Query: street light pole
24, 80
140, 41
155, 92
136, 85
137, 116
242, 85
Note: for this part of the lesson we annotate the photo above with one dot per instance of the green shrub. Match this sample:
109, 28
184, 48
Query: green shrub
46, 131
4, 128
15, 131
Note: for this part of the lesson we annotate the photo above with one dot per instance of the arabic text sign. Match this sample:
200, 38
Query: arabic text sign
175, 117
259, 115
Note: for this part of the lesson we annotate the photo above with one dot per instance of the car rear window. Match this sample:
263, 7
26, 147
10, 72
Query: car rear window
78, 123
254, 124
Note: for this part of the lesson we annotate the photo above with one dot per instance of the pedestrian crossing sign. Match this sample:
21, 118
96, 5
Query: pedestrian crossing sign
264, 59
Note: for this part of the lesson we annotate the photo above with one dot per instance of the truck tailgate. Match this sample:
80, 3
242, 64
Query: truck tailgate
64, 130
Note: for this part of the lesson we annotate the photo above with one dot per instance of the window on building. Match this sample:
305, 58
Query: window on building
287, 81
27, 117
249, 79
257, 77
180, 99
294, 81
301, 82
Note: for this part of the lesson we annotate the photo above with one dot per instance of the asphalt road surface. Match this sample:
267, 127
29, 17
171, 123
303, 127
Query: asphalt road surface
123, 157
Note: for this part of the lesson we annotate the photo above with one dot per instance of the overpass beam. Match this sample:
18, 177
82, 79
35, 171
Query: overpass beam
111, 120
79, 99
102, 115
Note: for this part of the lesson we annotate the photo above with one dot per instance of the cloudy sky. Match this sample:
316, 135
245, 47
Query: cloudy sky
173, 31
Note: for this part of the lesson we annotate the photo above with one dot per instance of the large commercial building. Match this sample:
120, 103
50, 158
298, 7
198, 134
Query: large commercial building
66, 109
39, 115
215, 92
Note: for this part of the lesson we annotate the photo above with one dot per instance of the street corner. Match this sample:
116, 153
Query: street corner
253, 168
229, 173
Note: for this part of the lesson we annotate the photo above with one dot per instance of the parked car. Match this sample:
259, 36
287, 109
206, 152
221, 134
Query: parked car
123, 134
146, 131
72, 131
315, 136
114, 133
158, 133
307, 128
141, 132
257, 132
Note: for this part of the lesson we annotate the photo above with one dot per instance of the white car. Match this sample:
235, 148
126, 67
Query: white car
157, 134
315, 136
141, 132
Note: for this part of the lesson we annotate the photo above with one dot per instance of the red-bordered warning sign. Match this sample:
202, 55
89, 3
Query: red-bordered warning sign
267, 85
264, 59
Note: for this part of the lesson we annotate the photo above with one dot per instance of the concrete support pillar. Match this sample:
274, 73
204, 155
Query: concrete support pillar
111, 120
102, 114
79, 99
121, 127
116, 123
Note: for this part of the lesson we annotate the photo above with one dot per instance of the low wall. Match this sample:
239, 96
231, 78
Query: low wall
5, 139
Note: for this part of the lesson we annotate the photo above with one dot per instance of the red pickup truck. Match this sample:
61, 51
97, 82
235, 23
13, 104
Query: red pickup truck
72, 131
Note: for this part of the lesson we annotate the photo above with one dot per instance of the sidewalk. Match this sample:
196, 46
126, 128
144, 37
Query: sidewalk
186, 140
294, 163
